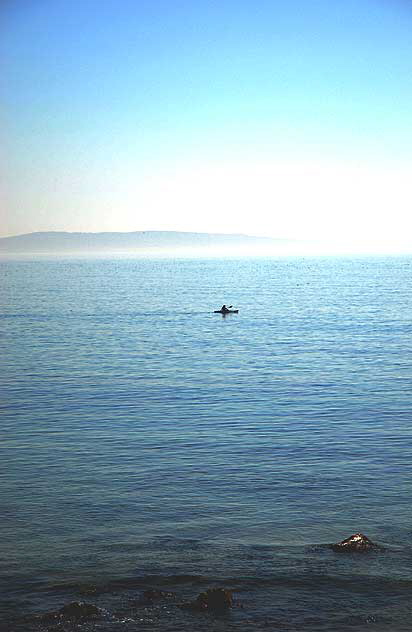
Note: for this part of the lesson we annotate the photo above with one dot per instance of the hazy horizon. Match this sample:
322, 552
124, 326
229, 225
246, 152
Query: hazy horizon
282, 121
175, 244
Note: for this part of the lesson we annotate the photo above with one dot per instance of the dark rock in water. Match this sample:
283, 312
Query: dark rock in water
213, 600
153, 595
358, 543
79, 610
75, 611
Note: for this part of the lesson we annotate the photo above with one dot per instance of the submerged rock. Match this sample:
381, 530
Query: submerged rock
79, 610
214, 600
355, 543
86, 590
154, 595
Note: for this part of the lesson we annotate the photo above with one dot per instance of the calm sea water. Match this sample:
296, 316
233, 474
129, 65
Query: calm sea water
149, 443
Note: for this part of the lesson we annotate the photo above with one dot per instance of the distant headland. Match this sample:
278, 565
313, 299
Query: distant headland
143, 243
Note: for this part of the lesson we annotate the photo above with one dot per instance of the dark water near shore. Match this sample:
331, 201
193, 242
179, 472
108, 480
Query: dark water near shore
148, 443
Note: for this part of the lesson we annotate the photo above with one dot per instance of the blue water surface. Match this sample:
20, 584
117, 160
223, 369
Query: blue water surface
144, 434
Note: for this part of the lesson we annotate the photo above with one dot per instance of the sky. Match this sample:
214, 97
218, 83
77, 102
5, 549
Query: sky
269, 118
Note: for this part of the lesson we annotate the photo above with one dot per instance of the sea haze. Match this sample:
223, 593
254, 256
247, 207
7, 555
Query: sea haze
144, 243
150, 443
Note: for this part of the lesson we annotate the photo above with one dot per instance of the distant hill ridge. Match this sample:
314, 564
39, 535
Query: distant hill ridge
60, 241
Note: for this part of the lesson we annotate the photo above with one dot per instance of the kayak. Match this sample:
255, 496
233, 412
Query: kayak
229, 311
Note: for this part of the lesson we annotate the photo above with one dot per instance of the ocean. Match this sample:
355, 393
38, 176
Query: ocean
150, 444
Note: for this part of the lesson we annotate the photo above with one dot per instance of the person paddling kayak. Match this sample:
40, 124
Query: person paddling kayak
226, 310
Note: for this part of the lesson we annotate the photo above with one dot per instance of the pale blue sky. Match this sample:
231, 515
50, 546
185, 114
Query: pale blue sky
271, 118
